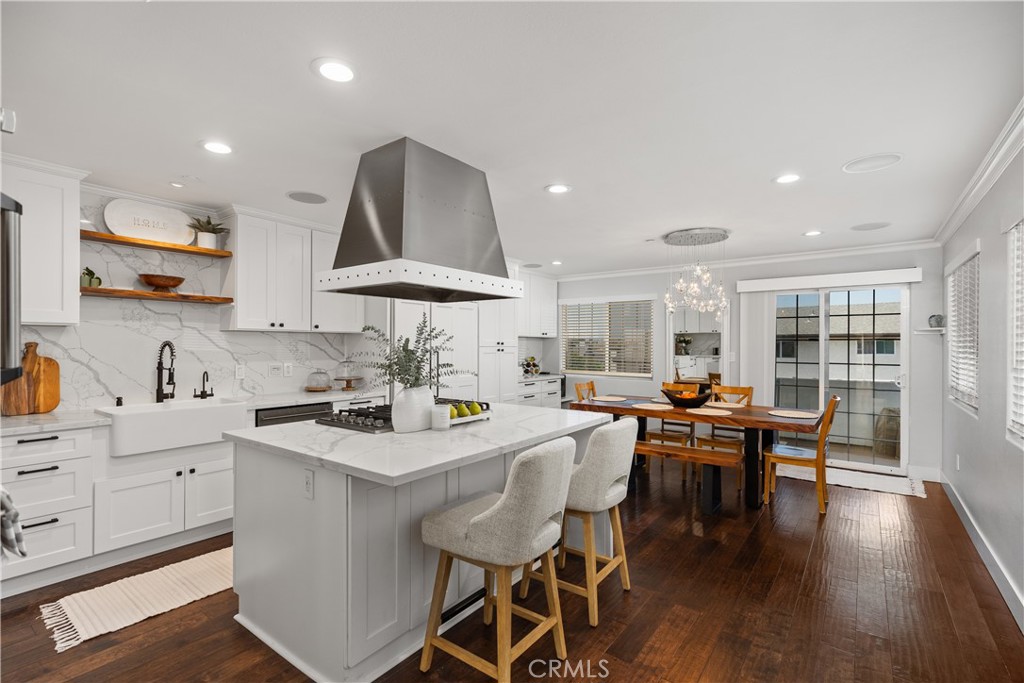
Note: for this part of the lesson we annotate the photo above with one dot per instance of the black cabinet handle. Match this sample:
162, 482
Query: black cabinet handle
531, 396
191, 470
51, 468
273, 324
280, 324
51, 521
360, 403
178, 473
316, 327
42, 438
528, 384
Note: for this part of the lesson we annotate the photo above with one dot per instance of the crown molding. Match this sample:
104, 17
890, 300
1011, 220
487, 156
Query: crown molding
1008, 144
44, 166
912, 245
171, 204
239, 210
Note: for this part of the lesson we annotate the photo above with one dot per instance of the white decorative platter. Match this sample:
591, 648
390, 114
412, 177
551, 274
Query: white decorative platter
724, 404
708, 411
485, 415
129, 218
609, 399
797, 414
651, 406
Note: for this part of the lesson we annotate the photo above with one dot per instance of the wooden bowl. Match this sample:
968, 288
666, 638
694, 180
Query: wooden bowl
679, 402
161, 283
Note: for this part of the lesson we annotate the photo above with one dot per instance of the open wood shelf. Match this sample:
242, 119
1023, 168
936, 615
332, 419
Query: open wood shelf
930, 330
108, 238
111, 293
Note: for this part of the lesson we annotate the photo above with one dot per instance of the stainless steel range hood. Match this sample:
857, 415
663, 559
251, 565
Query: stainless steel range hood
419, 226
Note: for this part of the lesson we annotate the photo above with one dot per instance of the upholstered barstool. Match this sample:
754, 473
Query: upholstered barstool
498, 532
598, 483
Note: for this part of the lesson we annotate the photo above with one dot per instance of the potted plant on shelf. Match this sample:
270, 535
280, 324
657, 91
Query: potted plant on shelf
207, 231
89, 278
406, 361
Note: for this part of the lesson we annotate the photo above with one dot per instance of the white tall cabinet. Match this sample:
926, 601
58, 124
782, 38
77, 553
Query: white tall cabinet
499, 362
50, 258
537, 311
333, 311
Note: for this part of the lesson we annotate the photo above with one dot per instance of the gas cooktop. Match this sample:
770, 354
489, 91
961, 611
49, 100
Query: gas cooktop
369, 419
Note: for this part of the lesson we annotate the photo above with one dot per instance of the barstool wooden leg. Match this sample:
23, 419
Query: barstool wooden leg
444, 570
547, 563
504, 576
561, 547
768, 481
488, 597
524, 583
619, 546
590, 559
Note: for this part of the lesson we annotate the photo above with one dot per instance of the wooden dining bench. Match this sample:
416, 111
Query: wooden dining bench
711, 463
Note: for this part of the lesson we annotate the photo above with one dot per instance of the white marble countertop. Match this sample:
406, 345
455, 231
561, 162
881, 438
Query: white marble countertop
298, 398
395, 459
538, 378
58, 420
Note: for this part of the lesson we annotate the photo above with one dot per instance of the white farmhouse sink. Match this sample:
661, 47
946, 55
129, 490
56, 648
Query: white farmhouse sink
158, 426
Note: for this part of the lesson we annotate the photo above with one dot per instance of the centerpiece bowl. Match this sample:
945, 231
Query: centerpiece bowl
680, 401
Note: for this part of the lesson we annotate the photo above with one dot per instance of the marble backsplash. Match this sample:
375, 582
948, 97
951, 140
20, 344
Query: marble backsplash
704, 343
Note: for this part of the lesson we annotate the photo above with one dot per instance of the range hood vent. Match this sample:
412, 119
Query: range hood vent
420, 226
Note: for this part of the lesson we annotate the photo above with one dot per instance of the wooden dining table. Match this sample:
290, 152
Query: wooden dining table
758, 425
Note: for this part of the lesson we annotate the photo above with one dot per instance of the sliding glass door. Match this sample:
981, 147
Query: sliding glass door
858, 335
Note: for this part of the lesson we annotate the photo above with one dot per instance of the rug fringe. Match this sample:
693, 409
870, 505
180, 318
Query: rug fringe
56, 619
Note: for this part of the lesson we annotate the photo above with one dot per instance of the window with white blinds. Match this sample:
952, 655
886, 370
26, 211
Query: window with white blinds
962, 289
608, 338
1016, 237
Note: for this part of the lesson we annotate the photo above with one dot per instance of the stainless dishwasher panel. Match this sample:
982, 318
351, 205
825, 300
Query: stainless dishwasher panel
268, 417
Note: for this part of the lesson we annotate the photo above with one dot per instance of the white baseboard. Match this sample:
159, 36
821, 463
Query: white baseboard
924, 473
87, 565
1011, 594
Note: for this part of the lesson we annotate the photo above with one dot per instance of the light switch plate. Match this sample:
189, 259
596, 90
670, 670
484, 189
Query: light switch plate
288, 368
275, 369
239, 372
307, 485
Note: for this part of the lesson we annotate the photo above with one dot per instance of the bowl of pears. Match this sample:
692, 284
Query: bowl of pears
462, 411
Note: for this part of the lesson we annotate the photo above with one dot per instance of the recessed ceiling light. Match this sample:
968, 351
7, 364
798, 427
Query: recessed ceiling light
307, 197
531, 265
865, 227
812, 233
333, 70
556, 263
872, 162
558, 188
787, 178
216, 147
178, 185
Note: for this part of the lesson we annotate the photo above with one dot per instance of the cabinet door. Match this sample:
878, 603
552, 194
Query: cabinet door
489, 373
255, 261
509, 374
530, 400
138, 508
708, 322
49, 244
52, 540
49, 487
490, 322
293, 277
552, 399
546, 297
333, 311
507, 334
379, 572
209, 492
524, 308
426, 495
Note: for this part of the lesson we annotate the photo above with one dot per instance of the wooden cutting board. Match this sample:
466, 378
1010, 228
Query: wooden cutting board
38, 388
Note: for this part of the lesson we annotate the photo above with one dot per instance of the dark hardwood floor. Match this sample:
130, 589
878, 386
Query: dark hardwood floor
883, 588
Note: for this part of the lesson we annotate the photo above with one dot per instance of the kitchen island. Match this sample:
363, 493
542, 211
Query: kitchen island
329, 567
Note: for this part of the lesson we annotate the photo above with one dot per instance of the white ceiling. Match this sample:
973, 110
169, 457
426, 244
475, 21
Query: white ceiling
661, 116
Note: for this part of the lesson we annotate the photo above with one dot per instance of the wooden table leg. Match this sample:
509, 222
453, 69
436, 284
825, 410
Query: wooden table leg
710, 489
752, 484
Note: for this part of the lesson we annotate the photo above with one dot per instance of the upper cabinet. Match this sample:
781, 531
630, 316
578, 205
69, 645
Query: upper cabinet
333, 312
689, 320
50, 257
498, 322
538, 309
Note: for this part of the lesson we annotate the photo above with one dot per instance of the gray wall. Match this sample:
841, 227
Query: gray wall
990, 482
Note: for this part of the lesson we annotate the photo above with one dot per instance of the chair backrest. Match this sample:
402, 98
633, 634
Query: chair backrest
679, 386
585, 390
606, 463
743, 395
534, 495
826, 427
714, 378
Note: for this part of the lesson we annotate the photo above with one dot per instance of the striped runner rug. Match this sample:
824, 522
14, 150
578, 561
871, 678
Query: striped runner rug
87, 614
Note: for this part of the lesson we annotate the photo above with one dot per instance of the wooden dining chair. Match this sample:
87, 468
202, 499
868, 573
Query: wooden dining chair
721, 436
672, 431
715, 378
803, 457
585, 390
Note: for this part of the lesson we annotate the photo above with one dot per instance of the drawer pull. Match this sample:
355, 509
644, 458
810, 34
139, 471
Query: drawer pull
530, 396
51, 468
51, 521
360, 403
42, 438
191, 470
528, 384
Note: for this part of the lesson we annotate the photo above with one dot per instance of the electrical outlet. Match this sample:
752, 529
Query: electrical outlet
275, 369
957, 462
288, 368
307, 485
239, 372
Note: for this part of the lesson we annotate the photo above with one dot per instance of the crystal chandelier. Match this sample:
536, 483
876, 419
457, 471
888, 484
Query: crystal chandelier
697, 288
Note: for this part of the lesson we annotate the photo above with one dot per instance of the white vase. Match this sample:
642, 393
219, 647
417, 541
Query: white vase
411, 410
206, 240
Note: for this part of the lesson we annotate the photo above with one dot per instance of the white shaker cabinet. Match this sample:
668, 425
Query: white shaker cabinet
538, 309
209, 492
333, 311
50, 256
498, 322
499, 374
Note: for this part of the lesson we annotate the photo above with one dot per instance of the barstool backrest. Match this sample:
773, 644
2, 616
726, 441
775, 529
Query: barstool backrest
606, 464
534, 496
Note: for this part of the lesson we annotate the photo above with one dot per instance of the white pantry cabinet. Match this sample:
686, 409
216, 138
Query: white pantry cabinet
499, 374
332, 311
498, 322
538, 309
50, 257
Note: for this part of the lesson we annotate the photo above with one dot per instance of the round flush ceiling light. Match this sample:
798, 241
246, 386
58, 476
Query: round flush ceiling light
177, 185
307, 197
216, 147
787, 178
85, 221
866, 227
333, 70
558, 188
556, 263
812, 233
872, 162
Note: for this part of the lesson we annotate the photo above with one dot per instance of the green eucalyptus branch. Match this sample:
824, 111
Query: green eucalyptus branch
406, 360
